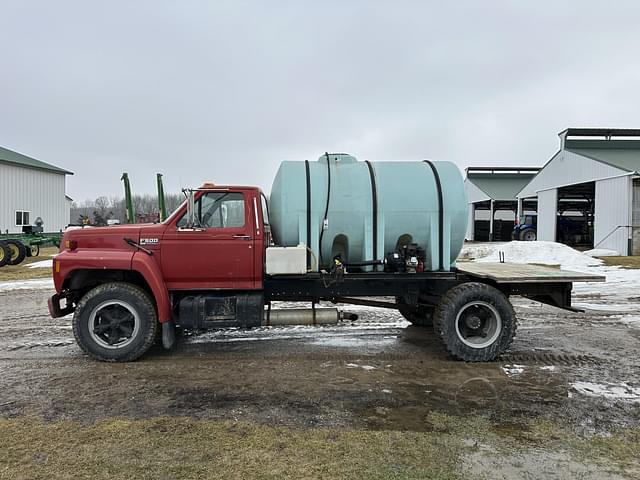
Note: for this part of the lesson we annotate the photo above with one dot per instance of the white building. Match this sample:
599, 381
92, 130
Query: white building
588, 193
31, 190
491, 194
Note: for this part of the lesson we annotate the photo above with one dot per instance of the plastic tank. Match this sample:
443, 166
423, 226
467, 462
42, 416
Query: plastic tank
371, 209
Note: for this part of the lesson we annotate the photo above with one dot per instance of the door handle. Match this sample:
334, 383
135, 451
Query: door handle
242, 237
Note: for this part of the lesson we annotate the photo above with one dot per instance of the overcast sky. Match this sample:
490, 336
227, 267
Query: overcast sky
224, 91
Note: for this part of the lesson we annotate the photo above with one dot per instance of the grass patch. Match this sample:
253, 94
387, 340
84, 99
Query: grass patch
23, 272
187, 448
169, 447
624, 262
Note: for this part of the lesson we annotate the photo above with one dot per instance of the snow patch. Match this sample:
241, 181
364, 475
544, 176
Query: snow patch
620, 391
545, 253
41, 264
513, 370
368, 368
549, 368
602, 252
631, 320
37, 284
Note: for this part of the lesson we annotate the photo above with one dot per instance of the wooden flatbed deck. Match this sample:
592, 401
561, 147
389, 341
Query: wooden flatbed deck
524, 273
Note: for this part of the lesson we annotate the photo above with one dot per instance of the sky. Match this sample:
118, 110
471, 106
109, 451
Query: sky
223, 91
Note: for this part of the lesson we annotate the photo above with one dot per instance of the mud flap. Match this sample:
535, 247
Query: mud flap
168, 335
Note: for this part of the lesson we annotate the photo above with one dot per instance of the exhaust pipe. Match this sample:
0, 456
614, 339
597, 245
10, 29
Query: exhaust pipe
305, 316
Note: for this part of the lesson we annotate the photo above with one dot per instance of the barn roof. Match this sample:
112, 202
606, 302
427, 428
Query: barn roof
500, 183
623, 158
9, 156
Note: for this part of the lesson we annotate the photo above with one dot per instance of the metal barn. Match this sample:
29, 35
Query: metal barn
588, 193
491, 194
31, 190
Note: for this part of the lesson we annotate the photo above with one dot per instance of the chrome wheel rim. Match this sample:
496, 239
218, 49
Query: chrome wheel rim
113, 324
478, 324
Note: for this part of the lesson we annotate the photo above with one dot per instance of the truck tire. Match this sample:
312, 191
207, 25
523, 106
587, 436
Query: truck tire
115, 322
18, 252
476, 322
5, 254
528, 235
423, 317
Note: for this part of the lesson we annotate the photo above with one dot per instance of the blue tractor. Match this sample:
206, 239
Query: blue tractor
527, 230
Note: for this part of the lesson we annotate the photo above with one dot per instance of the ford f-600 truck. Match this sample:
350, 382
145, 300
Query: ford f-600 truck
384, 234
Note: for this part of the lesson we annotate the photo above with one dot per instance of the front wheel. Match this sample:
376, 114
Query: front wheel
115, 322
476, 322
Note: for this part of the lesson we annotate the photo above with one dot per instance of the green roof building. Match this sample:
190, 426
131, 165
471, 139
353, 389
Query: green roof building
588, 193
31, 190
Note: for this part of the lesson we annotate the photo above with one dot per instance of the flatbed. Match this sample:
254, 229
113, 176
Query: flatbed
524, 273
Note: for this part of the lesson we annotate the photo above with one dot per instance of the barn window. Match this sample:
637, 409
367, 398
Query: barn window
22, 218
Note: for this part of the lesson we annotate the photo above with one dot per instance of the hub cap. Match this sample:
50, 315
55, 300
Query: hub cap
113, 324
478, 324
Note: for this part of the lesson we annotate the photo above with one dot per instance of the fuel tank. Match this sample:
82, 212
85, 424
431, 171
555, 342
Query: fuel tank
361, 211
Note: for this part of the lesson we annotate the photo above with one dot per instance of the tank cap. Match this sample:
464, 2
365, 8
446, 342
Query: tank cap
338, 158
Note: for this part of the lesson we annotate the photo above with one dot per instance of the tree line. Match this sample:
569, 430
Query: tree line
102, 209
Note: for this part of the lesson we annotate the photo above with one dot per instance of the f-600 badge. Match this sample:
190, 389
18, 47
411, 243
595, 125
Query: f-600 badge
149, 241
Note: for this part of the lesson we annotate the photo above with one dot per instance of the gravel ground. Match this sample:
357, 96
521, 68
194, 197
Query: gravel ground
378, 372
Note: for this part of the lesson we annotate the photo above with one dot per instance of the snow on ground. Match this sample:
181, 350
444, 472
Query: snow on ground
602, 252
36, 284
620, 292
548, 253
621, 391
41, 264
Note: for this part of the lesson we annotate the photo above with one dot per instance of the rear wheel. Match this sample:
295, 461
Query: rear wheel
5, 254
528, 235
476, 322
18, 252
115, 322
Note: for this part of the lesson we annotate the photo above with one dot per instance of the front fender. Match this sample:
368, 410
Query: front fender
91, 259
149, 269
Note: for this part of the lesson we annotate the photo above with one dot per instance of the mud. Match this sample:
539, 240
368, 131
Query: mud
378, 373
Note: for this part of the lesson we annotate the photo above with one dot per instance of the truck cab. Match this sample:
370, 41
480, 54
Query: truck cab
214, 242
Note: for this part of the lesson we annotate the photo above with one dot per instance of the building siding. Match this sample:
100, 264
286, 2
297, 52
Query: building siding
635, 217
39, 192
547, 213
613, 214
567, 168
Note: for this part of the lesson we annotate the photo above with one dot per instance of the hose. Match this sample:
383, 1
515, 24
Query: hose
326, 208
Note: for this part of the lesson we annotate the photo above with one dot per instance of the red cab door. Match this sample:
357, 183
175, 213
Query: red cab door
216, 253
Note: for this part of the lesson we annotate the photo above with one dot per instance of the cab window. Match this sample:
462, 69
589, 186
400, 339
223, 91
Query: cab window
218, 210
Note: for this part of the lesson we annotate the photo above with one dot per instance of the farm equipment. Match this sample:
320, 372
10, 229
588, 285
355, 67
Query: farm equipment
527, 230
128, 199
336, 230
14, 248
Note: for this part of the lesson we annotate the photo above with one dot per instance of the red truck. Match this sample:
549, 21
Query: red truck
128, 284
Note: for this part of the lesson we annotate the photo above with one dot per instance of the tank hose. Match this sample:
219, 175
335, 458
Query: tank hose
326, 208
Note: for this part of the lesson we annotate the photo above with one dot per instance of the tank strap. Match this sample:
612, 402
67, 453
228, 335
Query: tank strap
374, 209
436, 176
306, 166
